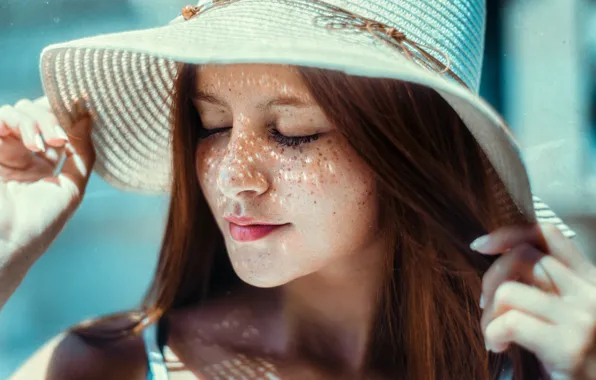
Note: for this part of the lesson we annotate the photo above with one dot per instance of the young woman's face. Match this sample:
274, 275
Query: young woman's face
289, 194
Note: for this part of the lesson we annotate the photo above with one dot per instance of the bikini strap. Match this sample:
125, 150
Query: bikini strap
157, 369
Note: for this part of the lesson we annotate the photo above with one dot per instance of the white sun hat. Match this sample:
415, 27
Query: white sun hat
124, 79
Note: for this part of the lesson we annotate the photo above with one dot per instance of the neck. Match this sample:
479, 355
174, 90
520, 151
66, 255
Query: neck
329, 314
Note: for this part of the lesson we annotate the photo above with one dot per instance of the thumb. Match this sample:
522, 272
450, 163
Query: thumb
80, 156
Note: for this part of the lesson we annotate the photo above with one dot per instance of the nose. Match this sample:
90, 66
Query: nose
241, 175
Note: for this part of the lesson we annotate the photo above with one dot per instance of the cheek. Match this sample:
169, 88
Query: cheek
207, 159
330, 178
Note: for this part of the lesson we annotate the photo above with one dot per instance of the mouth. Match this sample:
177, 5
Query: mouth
244, 229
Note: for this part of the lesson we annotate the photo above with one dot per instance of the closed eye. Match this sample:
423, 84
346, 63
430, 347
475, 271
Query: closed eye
290, 141
274, 134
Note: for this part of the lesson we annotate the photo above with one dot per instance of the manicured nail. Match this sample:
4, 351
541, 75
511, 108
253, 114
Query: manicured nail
482, 302
39, 142
60, 133
52, 154
479, 242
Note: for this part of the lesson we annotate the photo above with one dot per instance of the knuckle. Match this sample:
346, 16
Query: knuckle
22, 103
6, 109
26, 123
505, 292
511, 320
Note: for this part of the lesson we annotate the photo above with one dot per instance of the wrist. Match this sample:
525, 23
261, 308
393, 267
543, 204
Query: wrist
15, 262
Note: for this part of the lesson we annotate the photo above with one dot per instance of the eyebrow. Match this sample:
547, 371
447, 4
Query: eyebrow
284, 100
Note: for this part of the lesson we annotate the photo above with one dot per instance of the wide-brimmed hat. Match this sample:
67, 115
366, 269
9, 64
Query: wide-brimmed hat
124, 79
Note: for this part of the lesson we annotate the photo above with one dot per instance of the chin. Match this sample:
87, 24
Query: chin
262, 280
263, 276
264, 269
270, 278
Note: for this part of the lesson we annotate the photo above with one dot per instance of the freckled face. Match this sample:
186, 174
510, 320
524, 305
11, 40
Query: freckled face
289, 194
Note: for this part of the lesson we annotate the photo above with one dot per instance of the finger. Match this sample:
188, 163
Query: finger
518, 327
508, 237
568, 253
13, 155
9, 118
47, 123
558, 346
80, 155
530, 300
4, 131
565, 280
43, 102
53, 155
29, 125
519, 264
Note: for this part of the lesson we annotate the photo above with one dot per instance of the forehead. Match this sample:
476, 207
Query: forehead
247, 77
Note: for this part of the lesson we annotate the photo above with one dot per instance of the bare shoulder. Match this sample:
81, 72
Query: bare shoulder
242, 324
94, 349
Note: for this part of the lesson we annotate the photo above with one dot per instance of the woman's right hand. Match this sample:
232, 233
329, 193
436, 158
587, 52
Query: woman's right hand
35, 201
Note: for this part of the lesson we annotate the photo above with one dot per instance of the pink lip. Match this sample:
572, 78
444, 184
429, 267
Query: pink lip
245, 229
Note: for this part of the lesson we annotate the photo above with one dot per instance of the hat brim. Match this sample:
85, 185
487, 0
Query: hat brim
125, 79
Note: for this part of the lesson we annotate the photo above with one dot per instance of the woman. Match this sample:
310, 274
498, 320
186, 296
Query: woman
320, 223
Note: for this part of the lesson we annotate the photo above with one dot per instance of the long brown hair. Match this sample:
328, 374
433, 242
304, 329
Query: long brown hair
438, 191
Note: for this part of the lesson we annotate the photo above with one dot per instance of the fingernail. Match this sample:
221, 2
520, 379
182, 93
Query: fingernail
52, 154
60, 133
482, 302
479, 242
39, 142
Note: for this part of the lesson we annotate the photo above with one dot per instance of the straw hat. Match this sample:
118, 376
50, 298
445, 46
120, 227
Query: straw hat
124, 78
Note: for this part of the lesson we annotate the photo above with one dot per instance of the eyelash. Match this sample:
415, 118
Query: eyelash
274, 134
290, 141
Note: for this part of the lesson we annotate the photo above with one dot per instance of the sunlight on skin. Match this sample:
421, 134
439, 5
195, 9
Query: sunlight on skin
319, 187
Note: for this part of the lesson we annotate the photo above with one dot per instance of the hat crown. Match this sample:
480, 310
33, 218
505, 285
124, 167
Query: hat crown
444, 28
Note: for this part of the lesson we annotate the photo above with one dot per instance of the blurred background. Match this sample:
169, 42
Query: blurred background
539, 72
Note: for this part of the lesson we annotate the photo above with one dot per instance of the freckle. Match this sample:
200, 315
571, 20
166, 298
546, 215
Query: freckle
294, 157
312, 193
315, 202
334, 212
283, 150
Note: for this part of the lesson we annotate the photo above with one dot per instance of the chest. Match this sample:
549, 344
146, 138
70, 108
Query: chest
232, 366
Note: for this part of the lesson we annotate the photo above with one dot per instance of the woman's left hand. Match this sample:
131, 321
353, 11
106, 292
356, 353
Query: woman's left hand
541, 295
